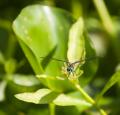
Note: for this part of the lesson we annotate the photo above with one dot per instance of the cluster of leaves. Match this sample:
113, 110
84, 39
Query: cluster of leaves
44, 32
32, 37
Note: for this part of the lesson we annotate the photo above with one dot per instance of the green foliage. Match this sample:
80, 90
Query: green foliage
76, 50
62, 74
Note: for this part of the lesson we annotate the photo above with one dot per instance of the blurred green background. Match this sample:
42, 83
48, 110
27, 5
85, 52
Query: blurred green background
106, 40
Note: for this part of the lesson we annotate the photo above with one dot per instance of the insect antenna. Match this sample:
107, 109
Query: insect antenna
86, 59
56, 59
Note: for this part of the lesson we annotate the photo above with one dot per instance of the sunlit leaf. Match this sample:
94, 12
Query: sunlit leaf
42, 96
80, 48
76, 43
65, 100
72, 99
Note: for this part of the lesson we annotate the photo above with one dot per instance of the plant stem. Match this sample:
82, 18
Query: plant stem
11, 46
89, 99
105, 17
52, 108
76, 8
102, 111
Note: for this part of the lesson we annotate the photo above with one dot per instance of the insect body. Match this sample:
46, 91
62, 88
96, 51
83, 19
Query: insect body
70, 69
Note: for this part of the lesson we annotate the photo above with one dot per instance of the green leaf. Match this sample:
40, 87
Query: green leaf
31, 58
42, 96
66, 100
114, 79
79, 47
58, 84
76, 43
43, 32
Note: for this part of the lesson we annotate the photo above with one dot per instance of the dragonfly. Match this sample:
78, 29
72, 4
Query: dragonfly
70, 68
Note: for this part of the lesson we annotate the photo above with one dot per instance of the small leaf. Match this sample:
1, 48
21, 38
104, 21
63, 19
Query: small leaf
42, 96
76, 44
79, 48
114, 79
65, 100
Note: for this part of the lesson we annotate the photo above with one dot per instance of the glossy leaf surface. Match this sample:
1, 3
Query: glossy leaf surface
43, 32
